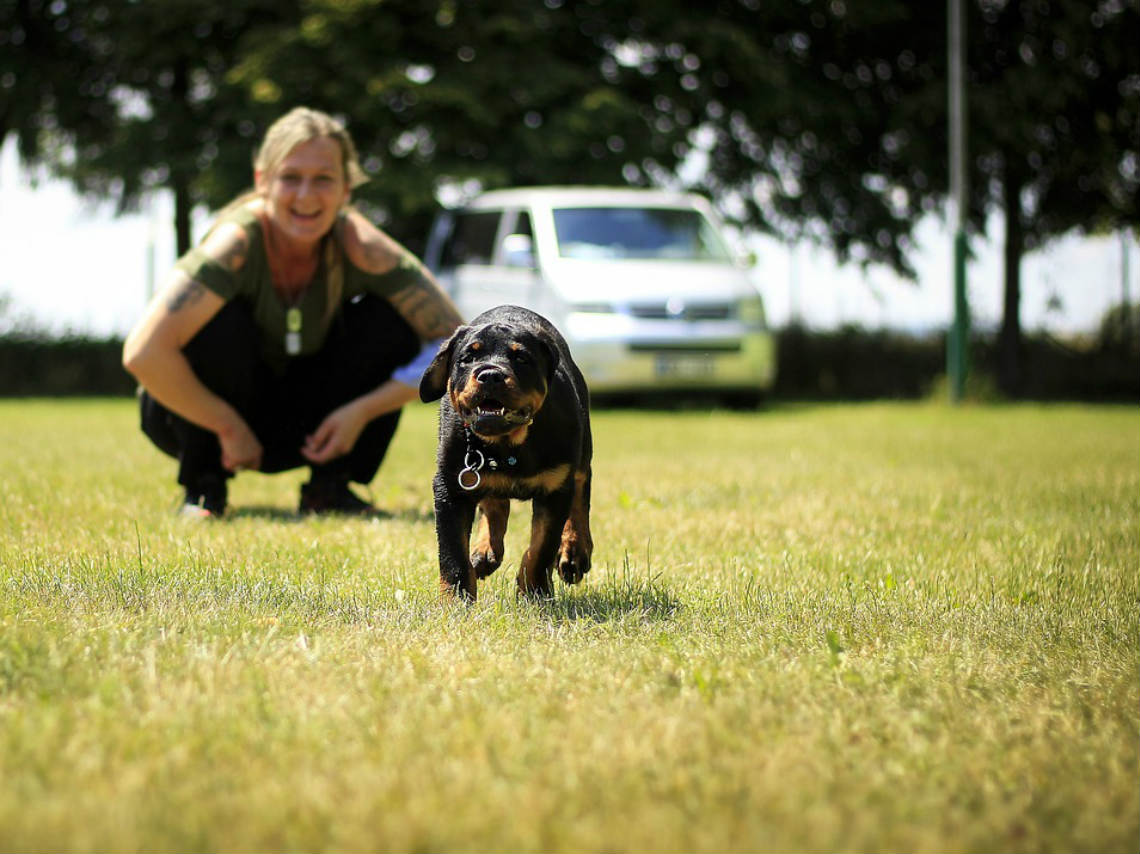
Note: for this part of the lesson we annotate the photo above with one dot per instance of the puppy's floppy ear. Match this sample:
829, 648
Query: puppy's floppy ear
552, 357
434, 381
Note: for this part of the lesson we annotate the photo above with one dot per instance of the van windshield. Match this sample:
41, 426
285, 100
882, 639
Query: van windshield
676, 234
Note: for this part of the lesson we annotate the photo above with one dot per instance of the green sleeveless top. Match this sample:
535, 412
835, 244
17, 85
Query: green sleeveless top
255, 284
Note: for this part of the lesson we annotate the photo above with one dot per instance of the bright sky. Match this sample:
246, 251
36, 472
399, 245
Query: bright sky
70, 265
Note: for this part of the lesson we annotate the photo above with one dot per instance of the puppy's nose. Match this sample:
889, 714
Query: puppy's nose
490, 376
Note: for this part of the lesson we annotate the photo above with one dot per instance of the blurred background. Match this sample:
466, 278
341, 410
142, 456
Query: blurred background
818, 129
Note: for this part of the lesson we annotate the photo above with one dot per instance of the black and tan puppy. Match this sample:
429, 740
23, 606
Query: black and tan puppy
514, 422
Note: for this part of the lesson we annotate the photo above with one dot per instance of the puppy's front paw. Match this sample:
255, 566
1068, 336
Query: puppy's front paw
576, 548
485, 561
573, 562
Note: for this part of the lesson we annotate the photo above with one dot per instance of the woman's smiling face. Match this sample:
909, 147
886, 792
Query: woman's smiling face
304, 194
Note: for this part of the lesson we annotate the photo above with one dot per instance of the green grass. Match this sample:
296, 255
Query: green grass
859, 628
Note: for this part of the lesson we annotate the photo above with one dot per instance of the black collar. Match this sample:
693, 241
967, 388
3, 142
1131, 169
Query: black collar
477, 457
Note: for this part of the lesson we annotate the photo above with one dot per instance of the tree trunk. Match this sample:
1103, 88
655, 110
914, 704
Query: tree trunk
182, 209
180, 174
1010, 369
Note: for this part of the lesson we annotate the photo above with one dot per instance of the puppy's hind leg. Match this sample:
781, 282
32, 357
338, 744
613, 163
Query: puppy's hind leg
487, 555
577, 546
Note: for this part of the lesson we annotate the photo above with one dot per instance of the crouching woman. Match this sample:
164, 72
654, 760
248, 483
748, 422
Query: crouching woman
292, 336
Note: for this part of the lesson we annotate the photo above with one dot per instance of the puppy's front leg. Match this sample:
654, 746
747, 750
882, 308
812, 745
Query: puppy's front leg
488, 552
548, 517
577, 547
454, 515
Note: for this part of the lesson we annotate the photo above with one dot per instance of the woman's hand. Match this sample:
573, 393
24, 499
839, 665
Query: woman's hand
337, 434
240, 447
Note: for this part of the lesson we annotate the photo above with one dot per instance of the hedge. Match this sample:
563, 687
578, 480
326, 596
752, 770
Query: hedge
850, 364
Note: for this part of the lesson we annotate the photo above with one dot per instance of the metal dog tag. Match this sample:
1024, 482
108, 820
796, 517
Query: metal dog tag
293, 331
470, 478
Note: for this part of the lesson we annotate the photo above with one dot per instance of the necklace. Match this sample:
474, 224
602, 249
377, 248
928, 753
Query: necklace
290, 287
293, 331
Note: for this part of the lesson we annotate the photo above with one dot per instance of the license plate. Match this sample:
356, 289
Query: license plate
687, 366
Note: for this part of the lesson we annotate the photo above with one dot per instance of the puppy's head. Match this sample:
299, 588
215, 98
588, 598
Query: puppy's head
497, 376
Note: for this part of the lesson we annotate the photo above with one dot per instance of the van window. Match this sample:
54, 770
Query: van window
643, 233
472, 239
517, 248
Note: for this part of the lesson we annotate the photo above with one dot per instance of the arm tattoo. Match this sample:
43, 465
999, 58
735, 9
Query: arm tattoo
187, 294
427, 310
233, 258
377, 257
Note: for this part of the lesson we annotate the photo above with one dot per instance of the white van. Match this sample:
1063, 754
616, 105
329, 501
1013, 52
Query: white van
640, 282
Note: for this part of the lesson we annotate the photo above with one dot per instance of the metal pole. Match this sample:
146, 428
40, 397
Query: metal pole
1125, 301
957, 341
151, 228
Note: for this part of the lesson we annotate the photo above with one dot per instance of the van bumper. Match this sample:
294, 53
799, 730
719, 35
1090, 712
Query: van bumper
661, 357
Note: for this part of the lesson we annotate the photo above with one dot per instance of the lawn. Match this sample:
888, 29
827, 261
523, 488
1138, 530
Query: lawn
889, 627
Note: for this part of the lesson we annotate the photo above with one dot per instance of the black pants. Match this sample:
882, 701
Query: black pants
367, 341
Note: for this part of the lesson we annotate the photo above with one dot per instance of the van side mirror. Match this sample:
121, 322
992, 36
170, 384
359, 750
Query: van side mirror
518, 251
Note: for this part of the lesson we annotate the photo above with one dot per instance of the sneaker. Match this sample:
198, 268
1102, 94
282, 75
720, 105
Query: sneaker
205, 500
325, 495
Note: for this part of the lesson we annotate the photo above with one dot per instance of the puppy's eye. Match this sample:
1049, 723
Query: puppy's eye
520, 358
466, 357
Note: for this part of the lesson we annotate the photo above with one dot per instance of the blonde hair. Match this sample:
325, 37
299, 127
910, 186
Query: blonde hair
298, 126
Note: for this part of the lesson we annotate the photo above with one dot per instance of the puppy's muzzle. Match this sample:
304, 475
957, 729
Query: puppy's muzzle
494, 403
490, 377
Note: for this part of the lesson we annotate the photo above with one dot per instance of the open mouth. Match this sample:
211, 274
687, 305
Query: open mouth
490, 409
305, 219
493, 415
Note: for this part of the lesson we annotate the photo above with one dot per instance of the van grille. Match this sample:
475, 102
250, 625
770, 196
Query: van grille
690, 313
732, 346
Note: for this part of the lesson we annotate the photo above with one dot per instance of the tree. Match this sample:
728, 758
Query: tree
830, 120
450, 93
467, 94
817, 118
50, 78
124, 98
1055, 129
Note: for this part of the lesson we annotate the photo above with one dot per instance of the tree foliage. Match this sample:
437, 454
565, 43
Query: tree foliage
817, 118
157, 74
469, 94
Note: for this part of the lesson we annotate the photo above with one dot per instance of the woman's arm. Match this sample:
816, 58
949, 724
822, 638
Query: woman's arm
153, 353
421, 302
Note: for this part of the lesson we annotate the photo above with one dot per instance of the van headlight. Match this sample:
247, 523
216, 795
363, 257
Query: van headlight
751, 313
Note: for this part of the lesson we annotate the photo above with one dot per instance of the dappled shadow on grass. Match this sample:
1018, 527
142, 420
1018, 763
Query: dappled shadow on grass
615, 598
281, 514
265, 512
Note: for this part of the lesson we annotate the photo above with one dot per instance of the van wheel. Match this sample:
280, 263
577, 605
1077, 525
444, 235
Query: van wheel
744, 400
